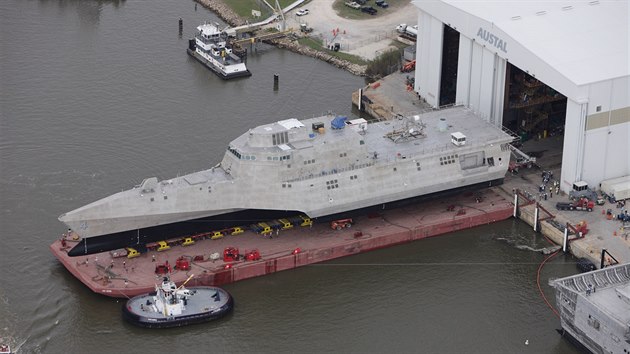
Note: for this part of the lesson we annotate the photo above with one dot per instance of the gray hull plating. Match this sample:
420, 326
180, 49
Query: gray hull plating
307, 166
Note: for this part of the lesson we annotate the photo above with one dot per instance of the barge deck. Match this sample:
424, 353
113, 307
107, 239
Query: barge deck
114, 275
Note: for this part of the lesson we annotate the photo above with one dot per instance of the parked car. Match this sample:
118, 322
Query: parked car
369, 10
353, 5
382, 3
302, 12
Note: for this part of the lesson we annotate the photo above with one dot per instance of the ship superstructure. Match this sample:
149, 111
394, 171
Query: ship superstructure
595, 308
317, 166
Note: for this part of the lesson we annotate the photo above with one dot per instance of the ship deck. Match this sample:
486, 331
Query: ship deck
109, 275
606, 289
457, 119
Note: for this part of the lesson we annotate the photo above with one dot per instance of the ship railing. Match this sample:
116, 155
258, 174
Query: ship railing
603, 278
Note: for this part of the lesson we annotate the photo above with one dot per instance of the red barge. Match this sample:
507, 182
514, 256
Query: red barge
119, 274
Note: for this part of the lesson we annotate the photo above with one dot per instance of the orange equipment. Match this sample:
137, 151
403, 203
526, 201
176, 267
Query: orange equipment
410, 66
341, 223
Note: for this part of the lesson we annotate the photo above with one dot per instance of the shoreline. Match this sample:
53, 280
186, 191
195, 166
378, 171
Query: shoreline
226, 14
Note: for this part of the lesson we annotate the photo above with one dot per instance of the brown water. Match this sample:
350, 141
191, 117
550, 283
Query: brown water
97, 95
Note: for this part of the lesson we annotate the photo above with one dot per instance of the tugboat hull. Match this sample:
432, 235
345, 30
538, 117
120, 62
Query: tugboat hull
136, 312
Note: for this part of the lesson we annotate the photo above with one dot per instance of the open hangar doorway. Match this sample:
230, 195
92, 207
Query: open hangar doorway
536, 113
531, 108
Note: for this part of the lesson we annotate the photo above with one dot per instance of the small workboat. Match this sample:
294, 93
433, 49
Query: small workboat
172, 306
211, 47
5, 349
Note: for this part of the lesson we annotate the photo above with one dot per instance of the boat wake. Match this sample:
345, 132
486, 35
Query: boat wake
544, 250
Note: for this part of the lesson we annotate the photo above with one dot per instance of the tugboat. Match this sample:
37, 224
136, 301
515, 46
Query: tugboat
172, 306
211, 49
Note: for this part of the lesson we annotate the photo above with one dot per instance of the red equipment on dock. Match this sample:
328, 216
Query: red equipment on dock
410, 66
182, 263
230, 254
252, 255
163, 268
341, 223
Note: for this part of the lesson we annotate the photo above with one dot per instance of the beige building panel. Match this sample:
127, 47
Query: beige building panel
600, 120
620, 116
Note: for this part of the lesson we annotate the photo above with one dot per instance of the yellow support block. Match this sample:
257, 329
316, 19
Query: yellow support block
188, 241
132, 252
237, 230
163, 246
216, 235
286, 224
306, 221
266, 229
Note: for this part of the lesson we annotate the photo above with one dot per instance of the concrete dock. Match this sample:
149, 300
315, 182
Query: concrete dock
390, 96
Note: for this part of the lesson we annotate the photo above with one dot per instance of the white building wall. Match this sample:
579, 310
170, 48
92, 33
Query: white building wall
606, 154
573, 148
590, 154
480, 80
593, 154
464, 70
500, 68
429, 56
607, 150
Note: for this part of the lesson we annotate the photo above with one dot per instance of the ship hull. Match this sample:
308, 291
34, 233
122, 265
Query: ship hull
214, 69
139, 238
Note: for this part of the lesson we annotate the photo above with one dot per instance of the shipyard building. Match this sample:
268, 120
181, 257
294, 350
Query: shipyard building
538, 69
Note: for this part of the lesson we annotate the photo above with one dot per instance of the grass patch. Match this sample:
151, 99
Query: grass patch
317, 44
398, 44
385, 64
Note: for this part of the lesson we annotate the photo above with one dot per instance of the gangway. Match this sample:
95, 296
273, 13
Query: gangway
278, 13
520, 156
522, 159
261, 37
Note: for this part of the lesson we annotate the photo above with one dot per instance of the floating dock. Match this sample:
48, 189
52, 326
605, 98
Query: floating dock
114, 274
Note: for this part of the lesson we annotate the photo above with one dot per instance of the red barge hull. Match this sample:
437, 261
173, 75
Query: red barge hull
115, 276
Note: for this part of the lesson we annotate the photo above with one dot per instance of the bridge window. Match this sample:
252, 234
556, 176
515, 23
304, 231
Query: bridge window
280, 138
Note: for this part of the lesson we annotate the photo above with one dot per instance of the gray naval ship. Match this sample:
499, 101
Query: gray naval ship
595, 309
317, 166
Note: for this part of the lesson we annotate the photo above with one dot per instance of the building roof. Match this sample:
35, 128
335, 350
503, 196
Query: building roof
586, 41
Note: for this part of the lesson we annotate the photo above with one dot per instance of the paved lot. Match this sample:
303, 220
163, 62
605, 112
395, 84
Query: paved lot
364, 37
603, 233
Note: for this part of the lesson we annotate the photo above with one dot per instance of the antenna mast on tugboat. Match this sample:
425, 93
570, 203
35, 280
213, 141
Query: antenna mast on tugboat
186, 281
